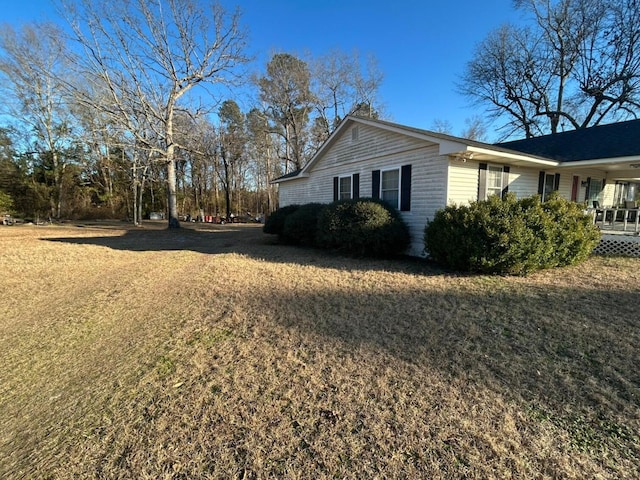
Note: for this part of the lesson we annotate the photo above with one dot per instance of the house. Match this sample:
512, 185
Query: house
420, 172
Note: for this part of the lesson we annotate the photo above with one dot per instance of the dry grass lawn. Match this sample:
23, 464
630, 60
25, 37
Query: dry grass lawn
212, 352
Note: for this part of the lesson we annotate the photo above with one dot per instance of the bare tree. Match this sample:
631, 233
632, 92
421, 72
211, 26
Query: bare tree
33, 67
264, 160
342, 86
149, 56
578, 65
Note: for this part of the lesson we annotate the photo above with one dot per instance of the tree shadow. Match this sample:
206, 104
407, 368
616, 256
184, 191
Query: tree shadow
576, 368
241, 239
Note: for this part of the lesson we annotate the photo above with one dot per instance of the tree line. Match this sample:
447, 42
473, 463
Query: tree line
133, 107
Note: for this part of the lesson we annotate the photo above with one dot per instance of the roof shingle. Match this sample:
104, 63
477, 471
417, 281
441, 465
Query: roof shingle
603, 141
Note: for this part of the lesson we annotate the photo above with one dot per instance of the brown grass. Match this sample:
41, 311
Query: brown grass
213, 353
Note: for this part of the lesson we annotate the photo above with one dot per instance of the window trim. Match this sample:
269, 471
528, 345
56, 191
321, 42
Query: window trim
501, 188
399, 186
340, 179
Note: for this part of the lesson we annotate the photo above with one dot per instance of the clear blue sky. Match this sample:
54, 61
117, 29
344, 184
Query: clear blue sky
421, 46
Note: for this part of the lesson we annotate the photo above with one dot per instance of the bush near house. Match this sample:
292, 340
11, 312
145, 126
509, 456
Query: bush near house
274, 224
301, 226
510, 236
364, 226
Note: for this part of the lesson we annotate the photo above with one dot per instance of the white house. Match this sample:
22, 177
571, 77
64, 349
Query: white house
420, 172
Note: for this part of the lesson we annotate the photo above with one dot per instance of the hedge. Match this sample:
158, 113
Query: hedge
510, 236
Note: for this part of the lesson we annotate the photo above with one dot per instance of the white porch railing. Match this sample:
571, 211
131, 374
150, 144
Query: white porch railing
617, 219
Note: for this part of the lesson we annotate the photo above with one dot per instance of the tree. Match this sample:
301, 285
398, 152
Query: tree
286, 90
577, 64
148, 56
264, 161
342, 87
232, 140
34, 70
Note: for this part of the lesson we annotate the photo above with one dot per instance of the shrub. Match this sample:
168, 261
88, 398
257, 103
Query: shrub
510, 236
365, 227
275, 222
574, 233
300, 227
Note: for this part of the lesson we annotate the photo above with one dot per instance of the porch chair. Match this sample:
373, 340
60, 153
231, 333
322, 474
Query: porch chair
599, 211
632, 208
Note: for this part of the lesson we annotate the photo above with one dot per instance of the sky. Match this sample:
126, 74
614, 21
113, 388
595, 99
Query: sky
421, 46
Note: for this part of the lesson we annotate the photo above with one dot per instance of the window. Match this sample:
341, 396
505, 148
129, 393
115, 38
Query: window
625, 192
347, 187
494, 180
548, 183
390, 187
594, 188
393, 186
344, 189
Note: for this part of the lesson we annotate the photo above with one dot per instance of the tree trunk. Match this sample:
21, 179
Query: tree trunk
172, 194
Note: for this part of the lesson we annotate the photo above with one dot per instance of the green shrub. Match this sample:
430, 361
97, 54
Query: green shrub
510, 236
274, 224
363, 226
300, 227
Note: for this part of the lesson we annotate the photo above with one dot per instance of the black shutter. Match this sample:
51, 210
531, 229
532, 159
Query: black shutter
336, 182
541, 184
482, 181
505, 180
356, 185
556, 182
375, 184
405, 188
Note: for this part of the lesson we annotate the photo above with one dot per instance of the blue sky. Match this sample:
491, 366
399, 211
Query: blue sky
421, 46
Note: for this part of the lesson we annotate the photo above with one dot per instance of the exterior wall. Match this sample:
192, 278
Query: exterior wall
524, 181
377, 149
293, 192
436, 180
462, 185
463, 182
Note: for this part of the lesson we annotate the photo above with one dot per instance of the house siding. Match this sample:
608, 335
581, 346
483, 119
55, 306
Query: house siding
377, 150
524, 181
293, 192
462, 185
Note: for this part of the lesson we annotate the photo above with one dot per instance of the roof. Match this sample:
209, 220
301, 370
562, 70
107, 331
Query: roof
613, 140
288, 175
603, 144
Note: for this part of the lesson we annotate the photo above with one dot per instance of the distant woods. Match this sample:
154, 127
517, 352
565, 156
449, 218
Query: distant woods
143, 106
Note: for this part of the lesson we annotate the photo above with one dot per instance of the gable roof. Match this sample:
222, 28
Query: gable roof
613, 140
600, 145
447, 144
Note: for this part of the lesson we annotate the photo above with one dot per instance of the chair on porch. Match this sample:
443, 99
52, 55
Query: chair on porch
632, 208
599, 211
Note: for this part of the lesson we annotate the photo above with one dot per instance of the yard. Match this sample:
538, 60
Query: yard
211, 352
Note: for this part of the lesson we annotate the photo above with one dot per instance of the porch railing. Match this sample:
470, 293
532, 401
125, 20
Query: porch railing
617, 219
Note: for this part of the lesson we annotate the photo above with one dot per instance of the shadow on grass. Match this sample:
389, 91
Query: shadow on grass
566, 356
242, 239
